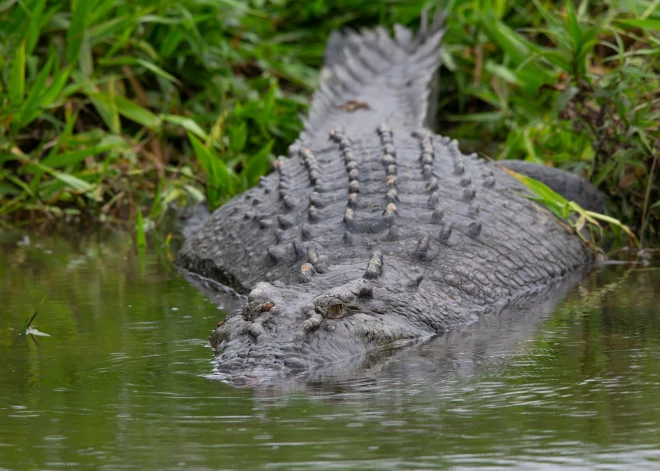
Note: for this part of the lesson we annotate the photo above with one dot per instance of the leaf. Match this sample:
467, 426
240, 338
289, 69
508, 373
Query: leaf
257, 165
553, 200
483, 117
71, 181
158, 71
516, 46
203, 156
68, 179
7, 157
102, 10
194, 193
17, 77
71, 158
447, 60
28, 322
140, 62
32, 102
186, 123
112, 27
19, 183
238, 137
604, 172
559, 58
217, 173
647, 23
140, 238
565, 97
137, 113
563, 208
158, 20
219, 179
157, 205
502, 72
85, 58
6, 5
34, 26
76, 31
171, 42
70, 121
7, 190
573, 26
243, 6
55, 88
107, 108
511, 42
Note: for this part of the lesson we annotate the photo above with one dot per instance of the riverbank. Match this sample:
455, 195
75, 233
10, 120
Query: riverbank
113, 109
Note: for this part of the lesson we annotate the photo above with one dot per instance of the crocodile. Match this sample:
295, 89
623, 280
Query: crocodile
375, 232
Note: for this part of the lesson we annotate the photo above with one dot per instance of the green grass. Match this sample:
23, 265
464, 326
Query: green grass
577, 218
114, 108
570, 86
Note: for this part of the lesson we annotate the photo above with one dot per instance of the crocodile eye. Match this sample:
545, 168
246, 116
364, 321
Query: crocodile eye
336, 310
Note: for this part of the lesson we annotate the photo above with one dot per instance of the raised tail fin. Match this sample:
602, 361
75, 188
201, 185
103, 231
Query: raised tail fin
371, 77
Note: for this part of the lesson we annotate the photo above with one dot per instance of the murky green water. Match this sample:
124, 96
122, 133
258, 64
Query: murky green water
124, 381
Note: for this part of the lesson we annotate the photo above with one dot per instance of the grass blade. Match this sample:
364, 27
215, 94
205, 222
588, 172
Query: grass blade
649, 23
140, 237
218, 177
72, 158
137, 113
186, 123
107, 108
563, 208
55, 88
75, 33
32, 102
28, 322
573, 26
34, 26
257, 165
69, 180
17, 77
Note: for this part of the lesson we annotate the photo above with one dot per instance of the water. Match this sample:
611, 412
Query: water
125, 379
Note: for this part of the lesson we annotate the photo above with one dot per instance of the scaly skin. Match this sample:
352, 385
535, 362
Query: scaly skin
372, 235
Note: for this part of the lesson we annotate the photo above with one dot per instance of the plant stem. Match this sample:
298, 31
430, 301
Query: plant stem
647, 197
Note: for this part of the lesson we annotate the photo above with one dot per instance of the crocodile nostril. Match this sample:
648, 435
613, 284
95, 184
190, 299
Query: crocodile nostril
266, 307
254, 309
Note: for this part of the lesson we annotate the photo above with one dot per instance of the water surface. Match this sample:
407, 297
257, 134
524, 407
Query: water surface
125, 379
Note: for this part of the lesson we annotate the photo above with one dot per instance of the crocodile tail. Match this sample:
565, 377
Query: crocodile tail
371, 77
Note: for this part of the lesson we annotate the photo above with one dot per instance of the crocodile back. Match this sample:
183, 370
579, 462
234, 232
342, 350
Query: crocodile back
360, 198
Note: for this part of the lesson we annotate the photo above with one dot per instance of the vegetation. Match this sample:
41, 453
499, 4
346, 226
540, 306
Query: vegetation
114, 108
572, 213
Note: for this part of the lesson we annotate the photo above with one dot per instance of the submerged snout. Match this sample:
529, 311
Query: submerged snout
281, 331
279, 352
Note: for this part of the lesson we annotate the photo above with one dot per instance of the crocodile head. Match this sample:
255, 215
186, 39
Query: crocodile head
283, 330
